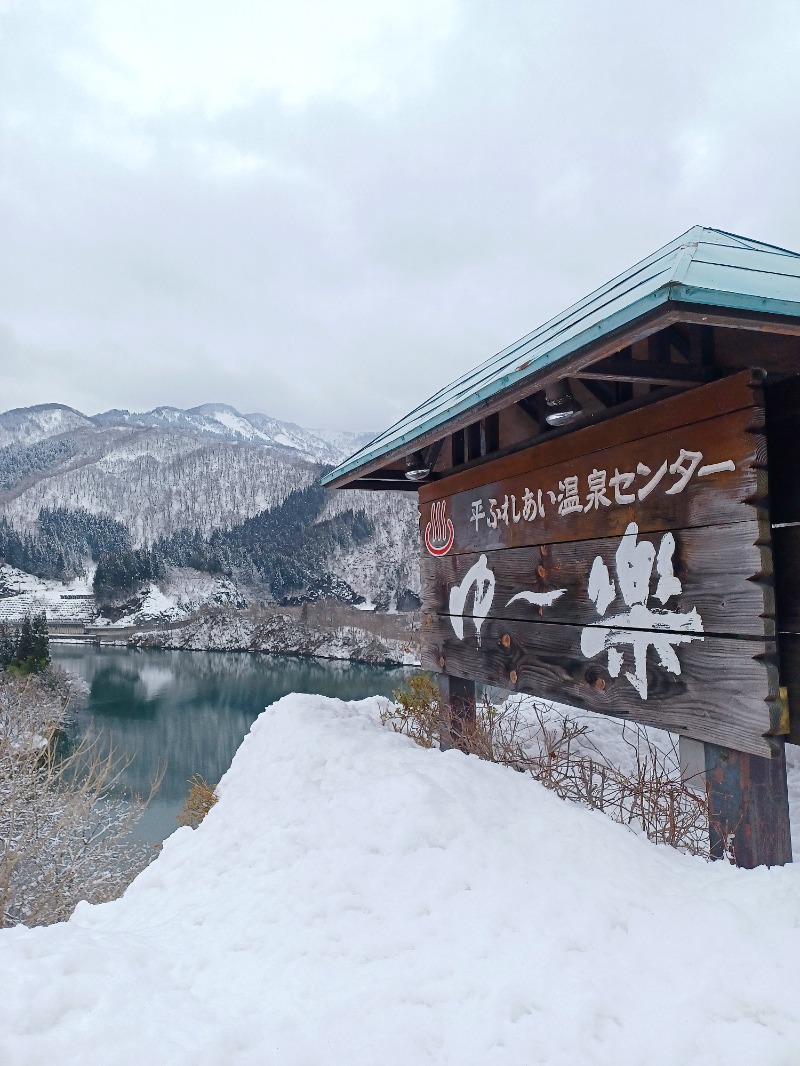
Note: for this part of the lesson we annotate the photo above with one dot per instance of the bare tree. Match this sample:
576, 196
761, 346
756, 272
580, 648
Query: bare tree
65, 834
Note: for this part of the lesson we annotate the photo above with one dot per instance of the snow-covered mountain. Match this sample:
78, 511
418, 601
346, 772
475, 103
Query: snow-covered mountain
222, 422
202, 470
27, 425
218, 421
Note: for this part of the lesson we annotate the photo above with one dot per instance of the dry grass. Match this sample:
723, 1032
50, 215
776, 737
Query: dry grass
557, 750
199, 802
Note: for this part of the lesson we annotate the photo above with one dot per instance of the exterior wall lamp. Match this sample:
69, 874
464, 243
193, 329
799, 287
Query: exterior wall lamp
416, 467
561, 405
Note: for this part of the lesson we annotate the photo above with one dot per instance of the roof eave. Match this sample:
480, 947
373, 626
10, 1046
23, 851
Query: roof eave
367, 460
711, 298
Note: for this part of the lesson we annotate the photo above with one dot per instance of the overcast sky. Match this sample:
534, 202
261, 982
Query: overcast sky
325, 211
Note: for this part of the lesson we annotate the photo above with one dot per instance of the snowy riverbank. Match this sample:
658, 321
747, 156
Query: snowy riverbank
211, 608
281, 634
356, 899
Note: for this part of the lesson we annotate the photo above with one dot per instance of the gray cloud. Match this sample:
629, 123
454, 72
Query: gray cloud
334, 260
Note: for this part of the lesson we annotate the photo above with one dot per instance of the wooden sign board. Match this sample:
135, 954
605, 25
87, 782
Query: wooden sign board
624, 568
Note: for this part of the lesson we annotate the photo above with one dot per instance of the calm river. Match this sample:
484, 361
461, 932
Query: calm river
191, 709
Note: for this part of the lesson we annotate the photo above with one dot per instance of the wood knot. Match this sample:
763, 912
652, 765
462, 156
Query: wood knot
595, 679
540, 570
506, 640
441, 661
512, 677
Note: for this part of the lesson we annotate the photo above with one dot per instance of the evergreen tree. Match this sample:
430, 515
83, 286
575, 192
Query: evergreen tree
27, 648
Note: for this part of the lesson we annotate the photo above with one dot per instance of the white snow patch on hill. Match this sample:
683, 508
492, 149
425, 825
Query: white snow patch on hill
23, 594
354, 899
26, 425
182, 593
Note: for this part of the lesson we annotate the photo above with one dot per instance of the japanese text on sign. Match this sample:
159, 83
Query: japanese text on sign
620, 489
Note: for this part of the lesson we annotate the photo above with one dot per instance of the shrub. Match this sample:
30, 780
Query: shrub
199, 802
556, 749
415, 711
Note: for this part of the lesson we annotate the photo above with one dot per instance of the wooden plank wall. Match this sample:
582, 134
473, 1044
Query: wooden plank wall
783, 436
650, 597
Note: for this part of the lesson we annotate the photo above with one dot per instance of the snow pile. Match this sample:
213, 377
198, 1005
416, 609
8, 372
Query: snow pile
354, 899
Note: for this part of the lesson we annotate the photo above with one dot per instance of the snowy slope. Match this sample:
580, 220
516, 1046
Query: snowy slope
216, 421
26, 425
23, 595
204, 469
157, 481
390, 561
223, 422
354, 900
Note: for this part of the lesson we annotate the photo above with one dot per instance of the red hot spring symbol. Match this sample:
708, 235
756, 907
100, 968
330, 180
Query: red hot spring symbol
439, 532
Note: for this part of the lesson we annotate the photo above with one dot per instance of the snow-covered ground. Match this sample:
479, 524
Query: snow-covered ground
354, 899
182, 593
281, 634
23, 595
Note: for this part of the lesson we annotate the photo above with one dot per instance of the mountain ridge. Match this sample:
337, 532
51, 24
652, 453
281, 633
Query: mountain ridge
217, 421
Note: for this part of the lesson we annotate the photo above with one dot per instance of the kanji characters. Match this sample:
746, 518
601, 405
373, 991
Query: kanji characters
568, 499
622, 488
597, 491
639, 626
478, 513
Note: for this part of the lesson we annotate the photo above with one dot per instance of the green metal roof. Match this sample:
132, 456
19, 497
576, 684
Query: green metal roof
703, 266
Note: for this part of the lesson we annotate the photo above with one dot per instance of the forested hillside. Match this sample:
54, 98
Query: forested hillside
137, 496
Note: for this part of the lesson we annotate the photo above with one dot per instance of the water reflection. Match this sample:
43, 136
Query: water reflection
191, 709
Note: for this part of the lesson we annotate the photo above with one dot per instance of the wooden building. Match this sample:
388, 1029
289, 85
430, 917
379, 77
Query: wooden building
610, 516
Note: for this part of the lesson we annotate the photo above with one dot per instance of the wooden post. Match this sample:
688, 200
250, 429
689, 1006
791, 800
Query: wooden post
456, 711
748, 807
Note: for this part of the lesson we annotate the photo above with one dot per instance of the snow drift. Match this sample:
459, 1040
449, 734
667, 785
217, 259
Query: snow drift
354, 899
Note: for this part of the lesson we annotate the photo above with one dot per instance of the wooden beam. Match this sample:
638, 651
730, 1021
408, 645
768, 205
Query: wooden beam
490, 434
707, 345
433, 452
574, 364
458, 447
456, 711
531, 408
724, 397
373, 483
732, 318
599, 390
681, 343
727, 691
647, 373
584, 420
723, 572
